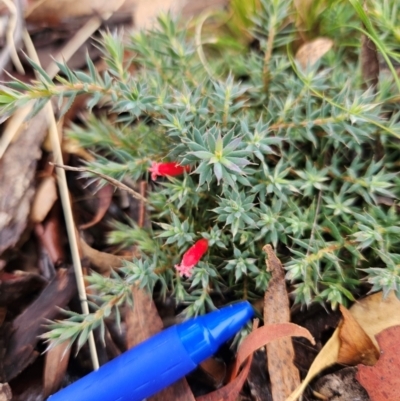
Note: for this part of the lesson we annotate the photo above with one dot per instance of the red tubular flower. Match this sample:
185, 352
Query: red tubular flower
191, 257
166, 169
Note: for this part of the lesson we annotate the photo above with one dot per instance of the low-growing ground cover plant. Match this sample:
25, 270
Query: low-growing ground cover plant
244, 147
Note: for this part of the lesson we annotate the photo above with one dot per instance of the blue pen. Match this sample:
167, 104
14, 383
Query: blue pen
161, 360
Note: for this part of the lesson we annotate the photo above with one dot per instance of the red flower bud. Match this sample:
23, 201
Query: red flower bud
191, 257
166, 169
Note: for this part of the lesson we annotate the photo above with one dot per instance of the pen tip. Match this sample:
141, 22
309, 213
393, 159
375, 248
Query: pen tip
203, 335
224, 323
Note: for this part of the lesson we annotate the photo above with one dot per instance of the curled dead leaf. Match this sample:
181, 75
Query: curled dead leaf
376, 313
373, 313
355, 345
258, 338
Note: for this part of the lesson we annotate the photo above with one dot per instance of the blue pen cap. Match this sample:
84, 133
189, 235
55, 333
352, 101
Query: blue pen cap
160, 360
207, 333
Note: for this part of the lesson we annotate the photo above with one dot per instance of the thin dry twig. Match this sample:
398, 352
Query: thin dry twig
142, 208
66, 205
111, 180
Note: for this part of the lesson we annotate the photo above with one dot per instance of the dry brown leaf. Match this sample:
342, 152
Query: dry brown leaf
46, 195
355, 345
255, 340
283, 373
374, 314
310, 52
142, 322
56, 363
382, 381
104, 196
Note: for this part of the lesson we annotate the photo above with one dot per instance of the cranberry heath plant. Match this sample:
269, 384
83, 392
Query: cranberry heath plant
244, 147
